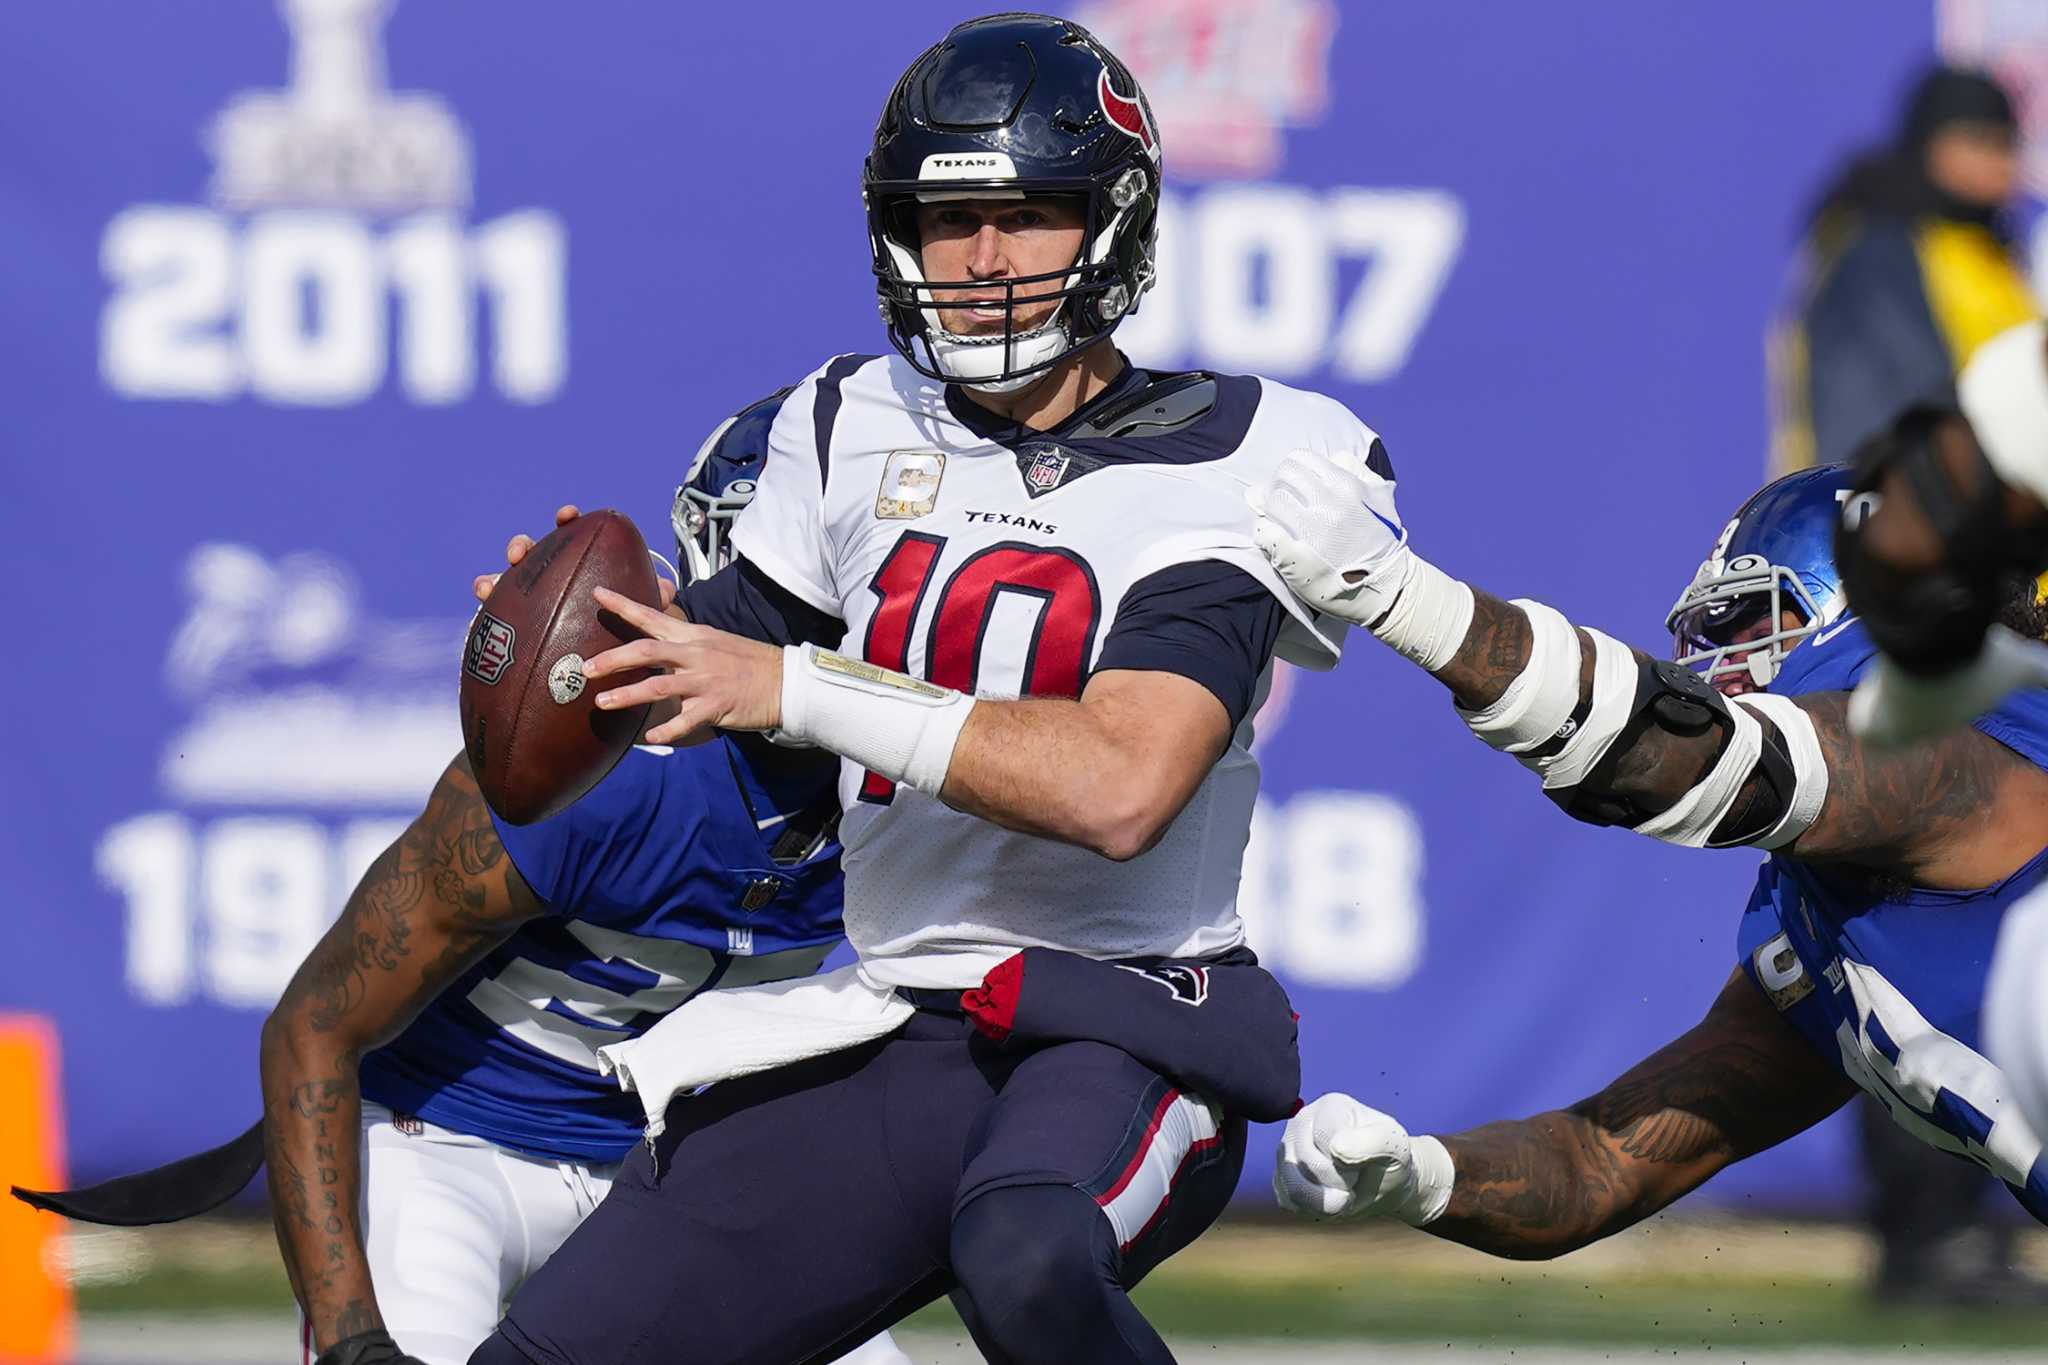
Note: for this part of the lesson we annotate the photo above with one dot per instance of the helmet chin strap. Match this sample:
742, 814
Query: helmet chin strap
973, 362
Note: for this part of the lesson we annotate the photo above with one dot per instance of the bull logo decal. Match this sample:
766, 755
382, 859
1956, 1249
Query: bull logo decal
1127, 114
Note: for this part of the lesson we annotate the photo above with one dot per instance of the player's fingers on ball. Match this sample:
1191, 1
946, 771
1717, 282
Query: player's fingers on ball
692, 721
665, 591
567, 513
650, 619
483, 585
516, 548
631, 657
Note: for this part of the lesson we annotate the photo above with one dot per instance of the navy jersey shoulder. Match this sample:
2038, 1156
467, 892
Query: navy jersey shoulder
1886, 980
661, 883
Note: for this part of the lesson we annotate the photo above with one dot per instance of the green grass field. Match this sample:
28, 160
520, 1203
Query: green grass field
1674, 1284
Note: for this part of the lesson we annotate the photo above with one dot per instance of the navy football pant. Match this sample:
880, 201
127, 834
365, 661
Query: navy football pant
789, 1216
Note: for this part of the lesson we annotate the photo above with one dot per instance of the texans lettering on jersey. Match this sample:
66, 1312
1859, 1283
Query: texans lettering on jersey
943, 542
660, 884
1889, 985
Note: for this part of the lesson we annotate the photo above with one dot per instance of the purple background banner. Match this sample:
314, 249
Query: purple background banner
309, 305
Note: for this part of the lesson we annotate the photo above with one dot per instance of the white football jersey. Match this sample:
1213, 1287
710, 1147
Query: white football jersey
1000, 569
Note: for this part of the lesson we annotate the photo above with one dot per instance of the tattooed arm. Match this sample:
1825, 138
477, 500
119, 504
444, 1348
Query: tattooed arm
1740, 1081
430, 906
1959, 811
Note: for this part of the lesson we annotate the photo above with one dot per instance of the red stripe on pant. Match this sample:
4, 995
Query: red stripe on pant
1130, 1172
1198, 1146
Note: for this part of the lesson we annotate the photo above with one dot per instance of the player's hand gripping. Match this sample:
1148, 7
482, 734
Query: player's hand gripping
519, 546
1342, 1159
1328, 523
717, 680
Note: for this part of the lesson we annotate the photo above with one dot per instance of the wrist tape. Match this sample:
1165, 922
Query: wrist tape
1429, 617
890, 723
1543, 695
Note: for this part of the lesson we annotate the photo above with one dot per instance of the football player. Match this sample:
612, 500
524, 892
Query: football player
1863, 948
1010, 578
436, 1122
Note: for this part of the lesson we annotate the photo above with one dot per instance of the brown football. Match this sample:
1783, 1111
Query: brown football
535, 737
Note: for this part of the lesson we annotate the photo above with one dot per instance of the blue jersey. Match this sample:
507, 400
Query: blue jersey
1888, 983
660, 884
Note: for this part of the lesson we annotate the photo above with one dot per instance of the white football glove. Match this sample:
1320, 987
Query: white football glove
1342, 1159
1329, 525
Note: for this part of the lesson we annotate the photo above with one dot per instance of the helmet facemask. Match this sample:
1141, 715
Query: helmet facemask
1090, 296
1711, 619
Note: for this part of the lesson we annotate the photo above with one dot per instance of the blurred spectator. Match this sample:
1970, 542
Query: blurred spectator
1907, 268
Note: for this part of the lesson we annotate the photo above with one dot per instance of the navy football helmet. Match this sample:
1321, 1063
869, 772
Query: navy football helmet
719, 486
1005, 107
1778, 554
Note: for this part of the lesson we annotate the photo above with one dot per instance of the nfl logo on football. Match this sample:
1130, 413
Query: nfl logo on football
490, 649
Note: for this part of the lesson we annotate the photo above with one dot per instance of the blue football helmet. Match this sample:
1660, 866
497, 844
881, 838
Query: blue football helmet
1776, 555
719, 486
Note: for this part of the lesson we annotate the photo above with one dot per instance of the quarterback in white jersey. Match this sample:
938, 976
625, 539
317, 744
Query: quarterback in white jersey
1001, 562
1011, 580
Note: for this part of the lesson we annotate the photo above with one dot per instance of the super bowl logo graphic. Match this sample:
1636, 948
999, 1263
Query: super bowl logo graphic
1256, 274
1226, 77
335, 259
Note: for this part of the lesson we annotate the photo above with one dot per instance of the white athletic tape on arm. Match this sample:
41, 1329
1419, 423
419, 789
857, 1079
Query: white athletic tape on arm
1614, 701
1691, 820
1543, 695
1430, 615
2004, 393
1809, 766
888, 722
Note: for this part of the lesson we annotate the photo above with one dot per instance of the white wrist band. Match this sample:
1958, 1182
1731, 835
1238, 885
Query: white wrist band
1434, 1174
890, 723
1429, 618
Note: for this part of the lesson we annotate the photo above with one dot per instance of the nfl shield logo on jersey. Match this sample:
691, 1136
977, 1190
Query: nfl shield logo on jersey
1047, 468
489, 652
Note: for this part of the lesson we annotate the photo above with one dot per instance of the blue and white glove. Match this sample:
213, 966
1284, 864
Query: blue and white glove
1342, 1159
1329, 525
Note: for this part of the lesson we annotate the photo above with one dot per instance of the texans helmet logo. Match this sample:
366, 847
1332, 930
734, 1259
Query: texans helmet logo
1127, 114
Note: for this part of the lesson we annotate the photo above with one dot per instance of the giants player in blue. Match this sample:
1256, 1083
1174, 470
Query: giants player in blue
1863, 952
436, 1122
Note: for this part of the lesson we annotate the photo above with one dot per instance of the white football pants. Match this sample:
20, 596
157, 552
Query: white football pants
455, 1224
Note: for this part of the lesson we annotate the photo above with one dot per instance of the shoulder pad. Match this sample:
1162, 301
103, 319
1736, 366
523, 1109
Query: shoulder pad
1168, 403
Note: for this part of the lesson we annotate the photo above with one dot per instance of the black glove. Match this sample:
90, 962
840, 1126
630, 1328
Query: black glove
374, 1347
